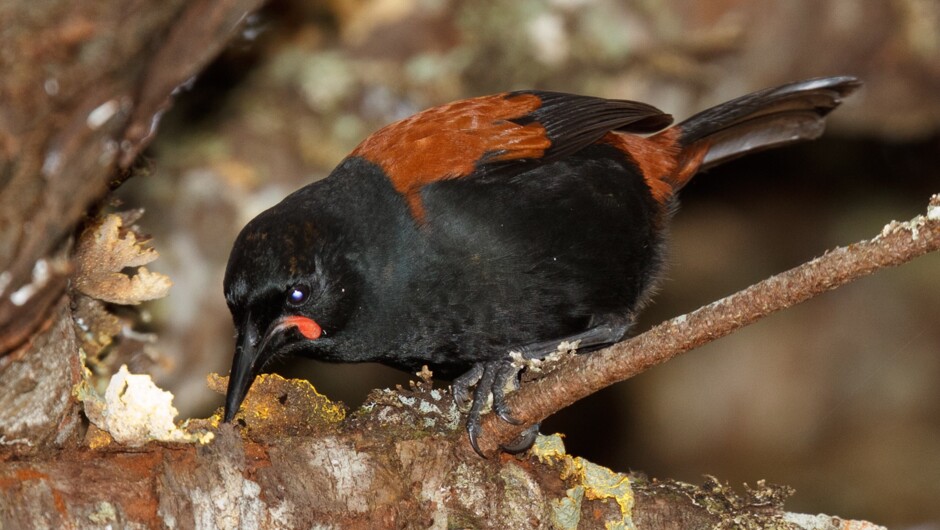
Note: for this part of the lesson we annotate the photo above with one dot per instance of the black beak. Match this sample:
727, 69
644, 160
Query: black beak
250, 355
244, 368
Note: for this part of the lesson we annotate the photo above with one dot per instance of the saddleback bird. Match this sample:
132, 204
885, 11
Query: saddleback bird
497, 224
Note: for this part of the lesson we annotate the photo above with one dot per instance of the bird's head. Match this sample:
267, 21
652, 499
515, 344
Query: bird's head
287, 292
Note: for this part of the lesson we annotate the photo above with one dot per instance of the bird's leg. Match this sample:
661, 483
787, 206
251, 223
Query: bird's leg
509, 373
597, 336
591, 339
492, 378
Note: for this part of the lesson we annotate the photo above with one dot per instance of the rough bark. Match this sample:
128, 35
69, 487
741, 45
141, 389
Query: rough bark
37, 408
84, 86
364, 478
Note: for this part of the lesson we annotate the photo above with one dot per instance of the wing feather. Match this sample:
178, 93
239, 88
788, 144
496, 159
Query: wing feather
497, 135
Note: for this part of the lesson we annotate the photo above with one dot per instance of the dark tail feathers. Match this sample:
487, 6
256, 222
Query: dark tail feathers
769, 118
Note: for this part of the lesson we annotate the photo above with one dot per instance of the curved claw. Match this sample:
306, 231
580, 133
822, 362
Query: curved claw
491, 379
504, 414
473, 432
480, 395
524, 441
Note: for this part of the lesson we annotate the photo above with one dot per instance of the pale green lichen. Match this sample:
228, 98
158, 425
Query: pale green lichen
104, 513
566, 511
522, 496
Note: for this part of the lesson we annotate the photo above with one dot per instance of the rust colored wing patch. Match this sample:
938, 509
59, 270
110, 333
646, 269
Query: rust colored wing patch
451, 140
665, 165
484, 135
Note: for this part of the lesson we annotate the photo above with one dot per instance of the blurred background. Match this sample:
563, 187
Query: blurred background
838, 397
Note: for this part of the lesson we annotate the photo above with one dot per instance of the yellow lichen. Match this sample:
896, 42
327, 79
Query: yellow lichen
590, 480
602, 483
96, 438
282, 406
549, 448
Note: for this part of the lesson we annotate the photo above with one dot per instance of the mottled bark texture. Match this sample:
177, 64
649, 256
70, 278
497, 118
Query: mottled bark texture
82, 91
365, 477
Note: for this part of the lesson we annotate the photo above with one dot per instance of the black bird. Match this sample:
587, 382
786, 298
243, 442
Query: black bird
500, 223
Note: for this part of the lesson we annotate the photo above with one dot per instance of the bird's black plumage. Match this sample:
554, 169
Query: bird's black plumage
418, 250
580, 249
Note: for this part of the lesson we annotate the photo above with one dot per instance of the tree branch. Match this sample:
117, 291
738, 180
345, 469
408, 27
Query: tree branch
583, 375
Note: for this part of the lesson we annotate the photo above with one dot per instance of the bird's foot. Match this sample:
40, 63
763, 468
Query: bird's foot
489, 379
524, 441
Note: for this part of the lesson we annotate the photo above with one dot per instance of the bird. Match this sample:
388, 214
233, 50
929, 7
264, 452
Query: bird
488, 228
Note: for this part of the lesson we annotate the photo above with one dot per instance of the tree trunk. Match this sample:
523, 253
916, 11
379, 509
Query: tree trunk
83, 88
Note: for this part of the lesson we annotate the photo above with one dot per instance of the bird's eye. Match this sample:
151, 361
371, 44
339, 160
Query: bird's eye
297, 294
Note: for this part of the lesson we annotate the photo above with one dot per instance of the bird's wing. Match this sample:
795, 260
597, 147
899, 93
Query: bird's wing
497, 135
